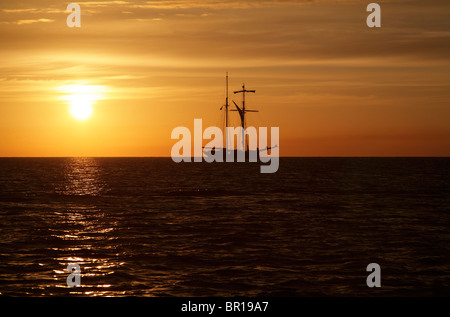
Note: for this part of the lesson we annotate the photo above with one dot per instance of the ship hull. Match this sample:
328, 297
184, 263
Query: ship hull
233, 155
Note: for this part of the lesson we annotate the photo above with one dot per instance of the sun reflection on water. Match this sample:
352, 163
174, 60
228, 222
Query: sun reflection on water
83, 177
83, 232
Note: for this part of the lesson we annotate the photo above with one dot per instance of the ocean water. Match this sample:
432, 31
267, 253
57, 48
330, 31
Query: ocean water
151, 227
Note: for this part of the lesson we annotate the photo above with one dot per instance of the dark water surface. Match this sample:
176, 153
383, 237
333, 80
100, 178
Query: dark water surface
150, 227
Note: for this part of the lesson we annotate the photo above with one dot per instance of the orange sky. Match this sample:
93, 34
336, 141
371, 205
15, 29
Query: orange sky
334, 86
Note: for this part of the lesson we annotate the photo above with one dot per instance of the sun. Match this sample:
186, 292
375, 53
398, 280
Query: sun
81, 107
81, 99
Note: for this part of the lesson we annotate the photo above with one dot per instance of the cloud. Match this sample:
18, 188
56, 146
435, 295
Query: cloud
180, 4
102, 3
34, 10
20, 10
28, 21
33, 21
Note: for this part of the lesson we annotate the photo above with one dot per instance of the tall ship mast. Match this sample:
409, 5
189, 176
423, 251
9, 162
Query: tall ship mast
226, 115
242, 112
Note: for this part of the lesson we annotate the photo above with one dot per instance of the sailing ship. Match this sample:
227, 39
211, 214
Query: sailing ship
236, 153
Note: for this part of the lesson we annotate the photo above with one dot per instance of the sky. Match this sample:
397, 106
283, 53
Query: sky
333, 86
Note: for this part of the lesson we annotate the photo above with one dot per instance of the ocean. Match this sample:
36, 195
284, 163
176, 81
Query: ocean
152, 227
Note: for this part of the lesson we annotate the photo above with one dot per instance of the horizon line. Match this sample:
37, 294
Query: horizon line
305, 156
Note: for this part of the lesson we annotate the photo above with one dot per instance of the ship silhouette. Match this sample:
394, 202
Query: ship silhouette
237, 154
